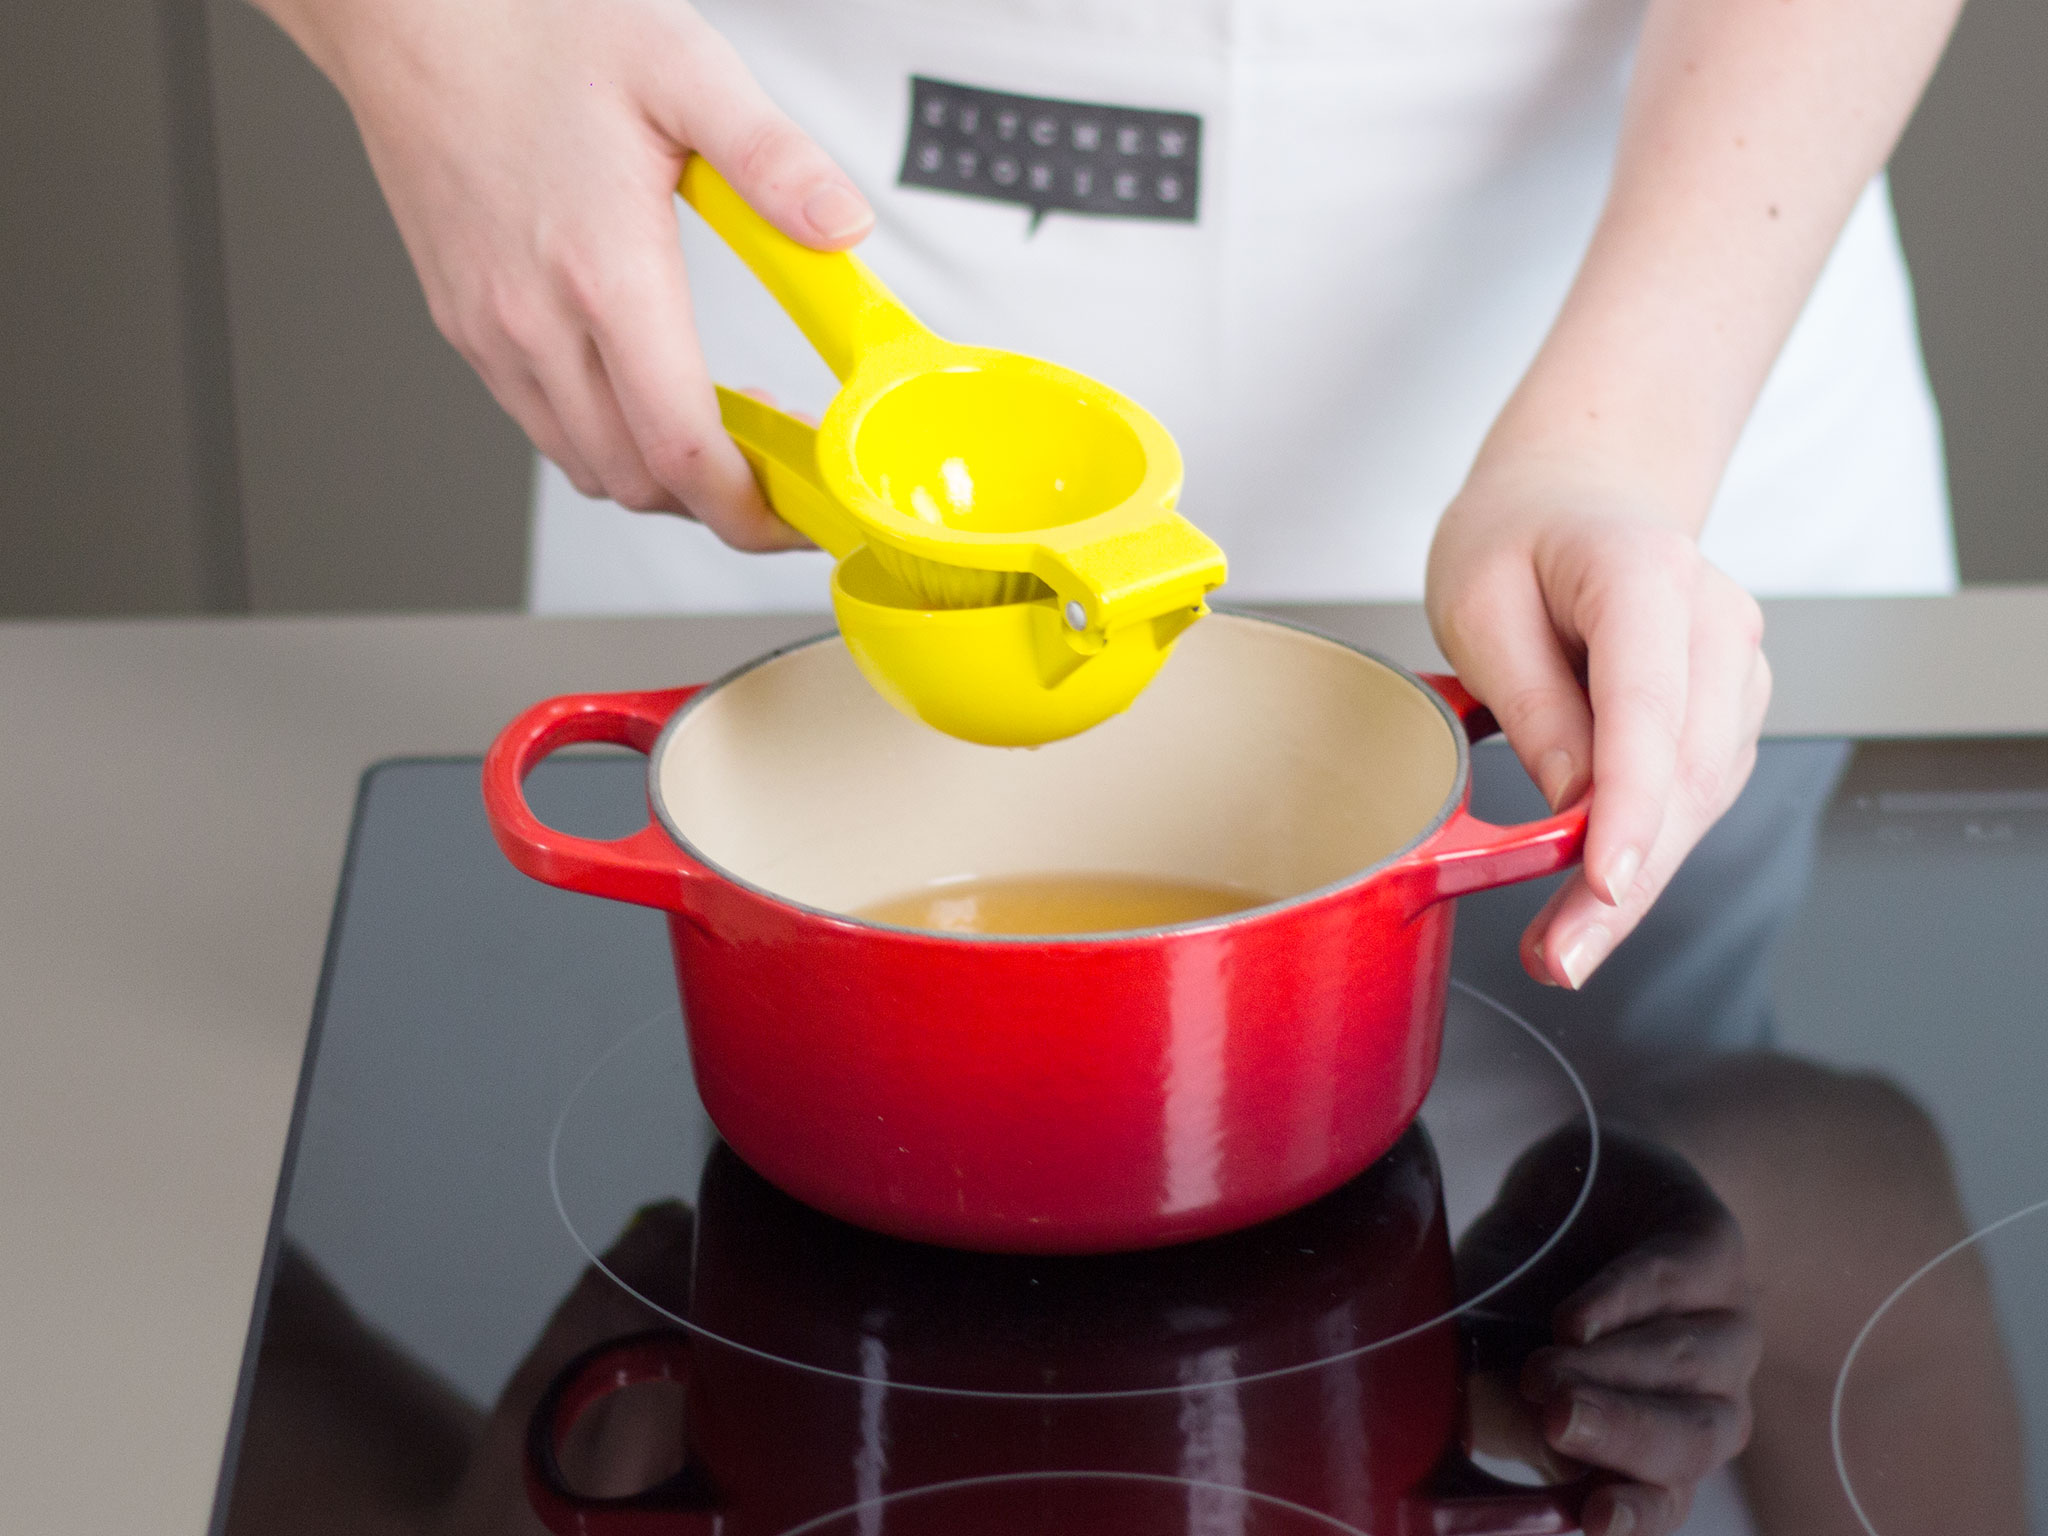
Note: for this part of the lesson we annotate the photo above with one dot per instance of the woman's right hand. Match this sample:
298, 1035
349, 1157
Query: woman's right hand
530, 150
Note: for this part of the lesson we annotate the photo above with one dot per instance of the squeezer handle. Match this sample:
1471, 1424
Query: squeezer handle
783, 453
843, 309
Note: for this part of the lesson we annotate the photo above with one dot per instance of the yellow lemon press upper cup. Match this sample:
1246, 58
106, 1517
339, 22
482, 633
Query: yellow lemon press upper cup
1011, 569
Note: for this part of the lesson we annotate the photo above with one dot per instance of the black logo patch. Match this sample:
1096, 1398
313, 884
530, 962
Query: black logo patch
1065, 156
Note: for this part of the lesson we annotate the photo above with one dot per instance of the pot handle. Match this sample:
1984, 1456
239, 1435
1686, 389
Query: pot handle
683, 1504
1460, 1499
1467, 854
647, 867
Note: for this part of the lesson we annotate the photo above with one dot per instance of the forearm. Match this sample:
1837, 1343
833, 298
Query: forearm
388, 45
1751, 128
315, 25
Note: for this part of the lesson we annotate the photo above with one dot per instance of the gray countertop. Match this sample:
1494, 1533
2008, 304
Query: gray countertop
174, 801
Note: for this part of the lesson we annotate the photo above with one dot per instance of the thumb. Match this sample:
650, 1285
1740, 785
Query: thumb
780, 171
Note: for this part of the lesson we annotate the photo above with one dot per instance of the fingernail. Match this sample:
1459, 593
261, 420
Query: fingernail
1622, 1521
1555, 775
1583, 954
1621, 875
1540, 970
835, 211
1586, 1425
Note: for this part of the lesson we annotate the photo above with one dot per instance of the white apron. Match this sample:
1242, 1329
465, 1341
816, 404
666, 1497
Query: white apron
1393, 200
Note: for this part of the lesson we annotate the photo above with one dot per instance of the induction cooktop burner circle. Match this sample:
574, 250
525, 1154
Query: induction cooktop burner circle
1362, 1270
1935, 1306
1105, 1501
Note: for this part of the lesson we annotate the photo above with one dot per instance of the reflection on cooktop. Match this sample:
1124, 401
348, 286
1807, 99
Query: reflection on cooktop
519, 1285
1069, 1501
1234, 1362
1361, 1268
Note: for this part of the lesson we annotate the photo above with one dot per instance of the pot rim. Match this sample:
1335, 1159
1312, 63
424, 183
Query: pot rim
1455, 798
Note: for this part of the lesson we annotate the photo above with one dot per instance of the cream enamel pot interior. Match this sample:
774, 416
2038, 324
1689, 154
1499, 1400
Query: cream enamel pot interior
1059, 1094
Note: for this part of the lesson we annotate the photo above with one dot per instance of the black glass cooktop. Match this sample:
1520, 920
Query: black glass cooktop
1784, 1162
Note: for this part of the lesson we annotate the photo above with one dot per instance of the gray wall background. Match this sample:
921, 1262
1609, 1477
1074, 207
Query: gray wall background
220, 389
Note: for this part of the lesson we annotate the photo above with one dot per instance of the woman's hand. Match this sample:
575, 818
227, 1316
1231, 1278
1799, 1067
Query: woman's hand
530, 151
1614, 656
1564, 584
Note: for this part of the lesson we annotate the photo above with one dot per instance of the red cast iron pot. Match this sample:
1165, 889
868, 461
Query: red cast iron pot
1069, 1094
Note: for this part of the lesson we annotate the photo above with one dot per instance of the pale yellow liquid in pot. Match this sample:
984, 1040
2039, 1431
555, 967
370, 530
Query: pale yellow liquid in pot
1058, 904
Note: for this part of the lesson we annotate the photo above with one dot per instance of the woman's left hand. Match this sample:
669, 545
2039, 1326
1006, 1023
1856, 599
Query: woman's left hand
1614, 656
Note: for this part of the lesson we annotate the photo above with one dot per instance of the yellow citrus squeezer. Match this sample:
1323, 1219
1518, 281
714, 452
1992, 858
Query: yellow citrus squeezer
1010, 566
